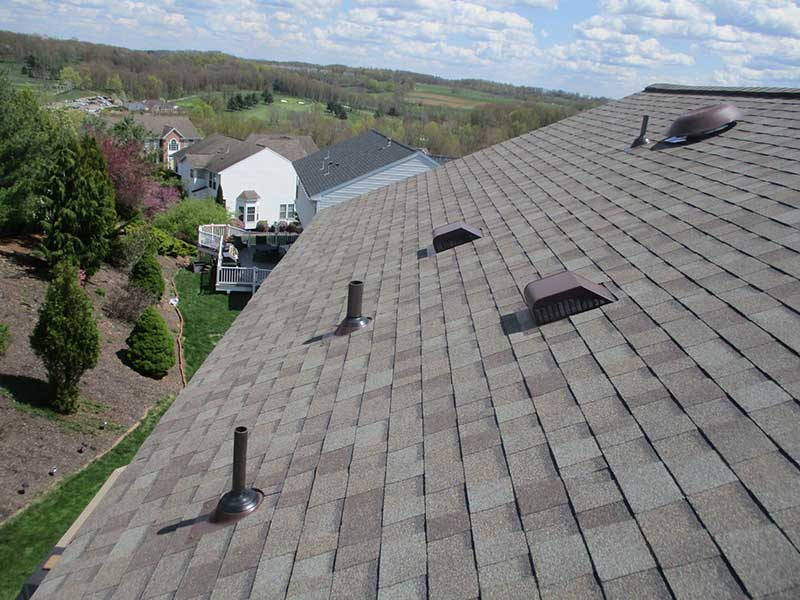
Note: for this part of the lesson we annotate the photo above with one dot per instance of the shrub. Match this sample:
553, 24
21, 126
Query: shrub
262, 226
128, 303
100, 292
183, 218
5, 338
168, 245
127, 249
152, 350
147, 275
66, 337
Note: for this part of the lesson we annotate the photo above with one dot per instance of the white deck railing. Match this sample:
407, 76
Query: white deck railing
237, 277
230, 278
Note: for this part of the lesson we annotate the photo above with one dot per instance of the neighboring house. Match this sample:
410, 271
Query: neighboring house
354, 167
168, 134
136, 106
453, 448
258, 181
155, 106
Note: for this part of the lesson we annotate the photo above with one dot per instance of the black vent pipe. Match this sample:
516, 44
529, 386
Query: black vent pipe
642, 139
354, 320
241, 500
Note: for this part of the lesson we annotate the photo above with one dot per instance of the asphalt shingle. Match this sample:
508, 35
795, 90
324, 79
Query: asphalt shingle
454, 447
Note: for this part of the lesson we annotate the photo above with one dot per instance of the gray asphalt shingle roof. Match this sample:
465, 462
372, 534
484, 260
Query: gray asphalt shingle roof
646, 448
218, 151
349, 160
160, 125
293, 147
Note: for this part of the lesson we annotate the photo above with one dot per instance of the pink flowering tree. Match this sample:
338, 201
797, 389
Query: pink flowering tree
158, 198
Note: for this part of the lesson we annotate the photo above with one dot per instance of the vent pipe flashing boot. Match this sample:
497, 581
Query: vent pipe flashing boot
241, 500
354, 319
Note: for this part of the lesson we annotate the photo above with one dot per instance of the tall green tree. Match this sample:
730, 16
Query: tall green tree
66, 337
114, 84
80, 216
128, 130
25, 156
70, 77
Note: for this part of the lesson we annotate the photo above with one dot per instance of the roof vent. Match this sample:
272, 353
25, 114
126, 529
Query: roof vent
642, 139
241, 500
354, 319
454, 234
562, 295
703, 122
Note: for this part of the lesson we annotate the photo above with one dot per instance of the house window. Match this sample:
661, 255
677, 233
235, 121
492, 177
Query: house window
286, 211
173, 145
251, 214
212, 181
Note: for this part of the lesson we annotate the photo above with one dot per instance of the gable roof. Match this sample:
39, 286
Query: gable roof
293, 147
647, 447
217, 152
348, 160
160, 125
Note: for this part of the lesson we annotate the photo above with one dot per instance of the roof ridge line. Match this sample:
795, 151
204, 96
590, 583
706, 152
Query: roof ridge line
711, 90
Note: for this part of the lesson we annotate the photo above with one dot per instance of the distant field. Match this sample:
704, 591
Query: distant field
442, 95
278, 112
282, 104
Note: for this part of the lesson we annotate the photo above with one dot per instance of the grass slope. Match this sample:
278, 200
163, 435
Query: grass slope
26, 538
206, 317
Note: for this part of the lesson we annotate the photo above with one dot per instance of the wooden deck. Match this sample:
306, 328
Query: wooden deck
247, 277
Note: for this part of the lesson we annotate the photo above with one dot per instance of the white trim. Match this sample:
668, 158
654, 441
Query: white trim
176, 130
283, 158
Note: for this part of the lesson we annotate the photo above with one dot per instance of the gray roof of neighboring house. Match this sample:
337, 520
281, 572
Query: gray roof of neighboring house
249, 195
218, 152
349, 160
293, 147
159, 125
453, 449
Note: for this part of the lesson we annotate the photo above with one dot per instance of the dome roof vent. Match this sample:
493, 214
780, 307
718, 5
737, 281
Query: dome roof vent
703, 122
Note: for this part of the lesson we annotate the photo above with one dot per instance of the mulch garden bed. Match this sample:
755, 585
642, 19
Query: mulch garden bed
33, 439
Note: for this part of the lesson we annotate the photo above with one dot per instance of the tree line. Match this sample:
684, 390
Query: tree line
172, 74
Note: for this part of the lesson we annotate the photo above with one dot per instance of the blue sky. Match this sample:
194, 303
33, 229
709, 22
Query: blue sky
607, 47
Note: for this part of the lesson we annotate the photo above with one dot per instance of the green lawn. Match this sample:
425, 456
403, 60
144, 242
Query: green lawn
206, 317
260, 111
27, 538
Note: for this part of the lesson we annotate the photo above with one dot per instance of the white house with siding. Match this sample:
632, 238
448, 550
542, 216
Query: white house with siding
352, 168
258, 183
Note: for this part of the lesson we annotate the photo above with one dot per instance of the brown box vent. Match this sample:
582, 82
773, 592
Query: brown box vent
562, 295
454, 234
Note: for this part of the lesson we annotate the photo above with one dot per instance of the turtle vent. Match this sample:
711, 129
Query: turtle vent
562, 295
703, 122
454, 234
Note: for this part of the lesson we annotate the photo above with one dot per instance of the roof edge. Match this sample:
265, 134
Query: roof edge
711, 90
